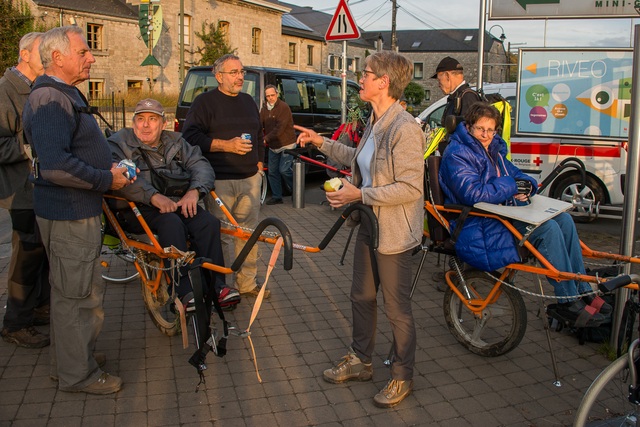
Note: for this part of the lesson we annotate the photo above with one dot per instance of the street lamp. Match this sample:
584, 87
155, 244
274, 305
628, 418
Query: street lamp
502, 36
507, 56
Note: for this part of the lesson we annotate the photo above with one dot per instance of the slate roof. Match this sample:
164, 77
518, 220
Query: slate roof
116, 8
444, 40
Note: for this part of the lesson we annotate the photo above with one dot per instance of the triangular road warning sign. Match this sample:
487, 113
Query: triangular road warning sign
342, 26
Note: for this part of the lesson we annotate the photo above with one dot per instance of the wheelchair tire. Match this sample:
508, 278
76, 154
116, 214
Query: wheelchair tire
606, 402
263, 188
503, 322
118, 264
160, 305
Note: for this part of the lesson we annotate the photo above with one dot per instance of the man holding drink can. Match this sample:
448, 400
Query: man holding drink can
216, 122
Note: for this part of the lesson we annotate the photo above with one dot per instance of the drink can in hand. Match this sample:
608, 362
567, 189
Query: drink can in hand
246, 137
130, 173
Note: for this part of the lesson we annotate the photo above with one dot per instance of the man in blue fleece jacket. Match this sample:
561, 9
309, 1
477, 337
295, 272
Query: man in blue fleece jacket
73, 170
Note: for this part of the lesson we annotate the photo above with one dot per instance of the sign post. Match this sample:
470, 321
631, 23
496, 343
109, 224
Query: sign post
343, 27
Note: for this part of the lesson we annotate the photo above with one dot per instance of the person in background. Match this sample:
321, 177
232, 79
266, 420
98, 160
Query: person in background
475, 169
28, 286
461, 97
388, 170
215, 122
277, 122
176, 220
72, 171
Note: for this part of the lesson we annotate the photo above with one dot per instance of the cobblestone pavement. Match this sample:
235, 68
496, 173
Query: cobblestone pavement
299, 332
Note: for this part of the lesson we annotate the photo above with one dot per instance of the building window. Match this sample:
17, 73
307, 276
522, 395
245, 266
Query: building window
427, 95
418, 70
309, 55
256, 41
94, 36
134, 86
96, 89
335, 62
292, 53
187, 28
223, 27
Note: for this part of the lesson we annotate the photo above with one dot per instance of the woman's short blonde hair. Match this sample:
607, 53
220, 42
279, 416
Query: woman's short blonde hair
398, 67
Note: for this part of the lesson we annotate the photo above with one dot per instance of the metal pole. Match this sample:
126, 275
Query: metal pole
298, 184
630, 209
394, 37
344, 82
483, 12
181, 42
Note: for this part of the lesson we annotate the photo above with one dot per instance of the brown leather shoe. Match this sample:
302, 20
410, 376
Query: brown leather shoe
105, 384
254, 293
41, 315
393, 393
28, 337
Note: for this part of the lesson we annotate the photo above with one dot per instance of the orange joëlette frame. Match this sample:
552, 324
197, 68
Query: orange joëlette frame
477, 305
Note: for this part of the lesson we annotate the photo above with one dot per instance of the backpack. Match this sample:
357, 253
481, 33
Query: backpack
502, 105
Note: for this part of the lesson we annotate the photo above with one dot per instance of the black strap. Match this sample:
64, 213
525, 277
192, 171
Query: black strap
86, 109
459, 223
203, 316
146, 159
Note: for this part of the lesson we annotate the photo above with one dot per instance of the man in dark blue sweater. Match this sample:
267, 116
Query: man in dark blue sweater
73, 170
215, 123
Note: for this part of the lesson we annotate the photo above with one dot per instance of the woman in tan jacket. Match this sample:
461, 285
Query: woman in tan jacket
387, 168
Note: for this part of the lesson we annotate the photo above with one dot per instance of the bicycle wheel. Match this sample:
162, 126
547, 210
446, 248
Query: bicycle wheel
118, 263
500, 327
605, 403
627, 331
160, 305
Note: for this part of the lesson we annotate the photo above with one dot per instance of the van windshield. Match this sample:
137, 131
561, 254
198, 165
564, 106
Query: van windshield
203, 80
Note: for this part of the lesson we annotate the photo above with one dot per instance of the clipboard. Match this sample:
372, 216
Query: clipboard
541, 209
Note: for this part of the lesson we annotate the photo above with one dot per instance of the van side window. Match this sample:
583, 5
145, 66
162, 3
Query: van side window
197, 84
295, 93
327, 97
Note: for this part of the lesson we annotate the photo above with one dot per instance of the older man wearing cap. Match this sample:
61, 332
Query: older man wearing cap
174, 216
451, 82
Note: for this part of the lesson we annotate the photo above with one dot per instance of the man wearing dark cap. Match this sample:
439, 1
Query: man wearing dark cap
177, 219
451, 81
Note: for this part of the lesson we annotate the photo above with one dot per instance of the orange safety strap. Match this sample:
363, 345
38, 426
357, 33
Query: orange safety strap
258, 303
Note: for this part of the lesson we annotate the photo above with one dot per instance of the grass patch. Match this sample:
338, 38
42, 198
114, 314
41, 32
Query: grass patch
607, 350
167, 99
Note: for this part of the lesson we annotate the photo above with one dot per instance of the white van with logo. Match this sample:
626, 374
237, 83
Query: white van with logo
605, 162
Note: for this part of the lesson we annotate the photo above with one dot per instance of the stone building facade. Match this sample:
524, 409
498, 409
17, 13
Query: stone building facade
266, 33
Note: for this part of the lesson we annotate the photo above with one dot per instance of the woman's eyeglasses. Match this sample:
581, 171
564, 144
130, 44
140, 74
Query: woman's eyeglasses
490, 132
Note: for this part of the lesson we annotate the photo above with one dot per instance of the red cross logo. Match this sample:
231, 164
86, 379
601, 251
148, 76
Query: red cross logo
538, 161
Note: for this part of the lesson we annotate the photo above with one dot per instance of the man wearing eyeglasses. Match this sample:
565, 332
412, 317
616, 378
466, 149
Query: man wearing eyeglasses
215, 122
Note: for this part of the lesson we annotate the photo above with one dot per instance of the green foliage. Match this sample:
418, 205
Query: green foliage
414, 93
15, 21
215, 44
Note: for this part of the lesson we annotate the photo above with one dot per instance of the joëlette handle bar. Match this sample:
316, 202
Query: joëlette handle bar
284, 232
239, 232
618, 282
569, 162
297, 155
366, 210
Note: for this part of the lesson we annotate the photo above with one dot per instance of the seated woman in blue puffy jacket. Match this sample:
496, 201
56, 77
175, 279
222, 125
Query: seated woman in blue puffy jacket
475, 169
